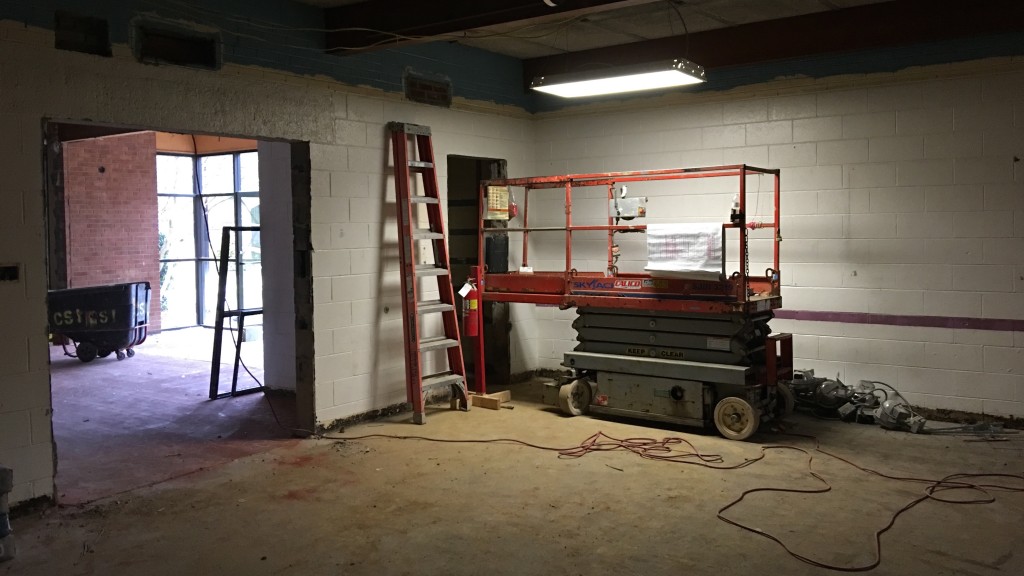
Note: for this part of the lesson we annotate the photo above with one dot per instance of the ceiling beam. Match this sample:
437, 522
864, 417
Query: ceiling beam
887, 24
426, 18
72, 132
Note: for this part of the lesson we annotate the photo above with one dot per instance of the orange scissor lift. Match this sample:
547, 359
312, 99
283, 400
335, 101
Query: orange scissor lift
693, 351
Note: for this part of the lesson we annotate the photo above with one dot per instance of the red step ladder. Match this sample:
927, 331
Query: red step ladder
409, 233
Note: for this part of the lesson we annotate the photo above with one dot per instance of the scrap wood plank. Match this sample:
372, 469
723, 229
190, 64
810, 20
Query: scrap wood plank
491, 401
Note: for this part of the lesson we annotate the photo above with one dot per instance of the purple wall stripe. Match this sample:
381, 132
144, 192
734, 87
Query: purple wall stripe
903, 320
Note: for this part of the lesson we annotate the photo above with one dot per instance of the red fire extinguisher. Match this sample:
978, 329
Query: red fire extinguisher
471, 312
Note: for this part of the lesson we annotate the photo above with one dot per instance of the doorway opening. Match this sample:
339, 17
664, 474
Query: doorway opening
464, 176
141, 208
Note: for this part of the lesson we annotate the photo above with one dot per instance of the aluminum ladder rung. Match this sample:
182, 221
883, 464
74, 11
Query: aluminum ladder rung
417, 166
441, 379
426, 234
433, 307
437, 343
427, 270
424, 200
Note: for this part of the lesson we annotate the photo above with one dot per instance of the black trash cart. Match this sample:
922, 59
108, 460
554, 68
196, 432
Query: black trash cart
100, 320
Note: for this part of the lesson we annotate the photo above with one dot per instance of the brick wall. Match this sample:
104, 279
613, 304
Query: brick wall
110, 190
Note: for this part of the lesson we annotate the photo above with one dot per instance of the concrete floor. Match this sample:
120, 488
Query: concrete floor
122, 425
386, 506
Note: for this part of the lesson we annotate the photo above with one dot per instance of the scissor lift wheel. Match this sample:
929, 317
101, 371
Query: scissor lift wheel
785, 401
574, 397
736, 419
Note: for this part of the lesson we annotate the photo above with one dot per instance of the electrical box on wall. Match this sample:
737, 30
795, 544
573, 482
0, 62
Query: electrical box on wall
10, 272
629, 208
497, 203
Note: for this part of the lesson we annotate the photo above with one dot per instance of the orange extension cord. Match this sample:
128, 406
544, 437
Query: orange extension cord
666, 450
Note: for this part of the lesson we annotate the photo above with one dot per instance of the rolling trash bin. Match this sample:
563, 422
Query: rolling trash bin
100, 320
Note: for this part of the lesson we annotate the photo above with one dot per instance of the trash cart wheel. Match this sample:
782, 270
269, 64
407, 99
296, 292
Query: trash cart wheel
130, 352
120, 355
104, 353
736, 419
87, 351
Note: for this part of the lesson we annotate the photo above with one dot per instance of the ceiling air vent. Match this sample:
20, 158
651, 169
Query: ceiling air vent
435, 90
81, 34
156, 44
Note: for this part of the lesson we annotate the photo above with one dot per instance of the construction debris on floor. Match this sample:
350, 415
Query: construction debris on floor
873, 402
493, 401
867, 401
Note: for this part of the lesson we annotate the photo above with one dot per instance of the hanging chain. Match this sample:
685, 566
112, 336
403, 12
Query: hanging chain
746, 263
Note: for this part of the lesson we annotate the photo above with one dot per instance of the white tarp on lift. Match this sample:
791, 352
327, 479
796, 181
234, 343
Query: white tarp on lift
690, 250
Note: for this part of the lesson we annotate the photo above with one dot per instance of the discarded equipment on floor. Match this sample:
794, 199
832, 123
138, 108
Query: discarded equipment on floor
230, 238
100, 320
421, 161
7, 547
685, 342
867, 401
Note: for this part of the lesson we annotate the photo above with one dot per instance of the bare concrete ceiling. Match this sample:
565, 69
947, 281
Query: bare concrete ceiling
551, 36
330, 3
644, 22
612, 26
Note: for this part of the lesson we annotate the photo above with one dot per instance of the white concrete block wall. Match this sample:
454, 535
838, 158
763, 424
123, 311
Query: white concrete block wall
912, 175
356, 279
902, 195
278, 248
356, 307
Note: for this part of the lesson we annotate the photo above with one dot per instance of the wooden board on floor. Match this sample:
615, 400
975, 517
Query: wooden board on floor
491, 401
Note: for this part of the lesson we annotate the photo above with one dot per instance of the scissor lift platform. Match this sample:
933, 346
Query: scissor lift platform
668, 386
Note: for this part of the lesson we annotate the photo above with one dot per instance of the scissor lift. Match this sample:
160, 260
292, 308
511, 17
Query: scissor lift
692, 351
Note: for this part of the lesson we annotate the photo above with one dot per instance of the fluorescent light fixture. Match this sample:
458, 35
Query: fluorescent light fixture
621, 79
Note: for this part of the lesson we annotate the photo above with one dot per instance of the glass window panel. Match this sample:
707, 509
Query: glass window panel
177, 294
251, 256
177, 224
250, 211
218, 174
249, 172
174, 174
220, 212
252, 288
250, 241
249, 245
210, 292
176, 236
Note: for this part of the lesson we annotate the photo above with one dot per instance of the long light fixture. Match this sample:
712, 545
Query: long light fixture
619, 79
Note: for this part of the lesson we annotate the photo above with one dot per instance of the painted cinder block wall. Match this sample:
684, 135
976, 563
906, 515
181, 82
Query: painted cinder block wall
112, 224
903, 197
819, 132
354, 232
277, 254
357, 341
